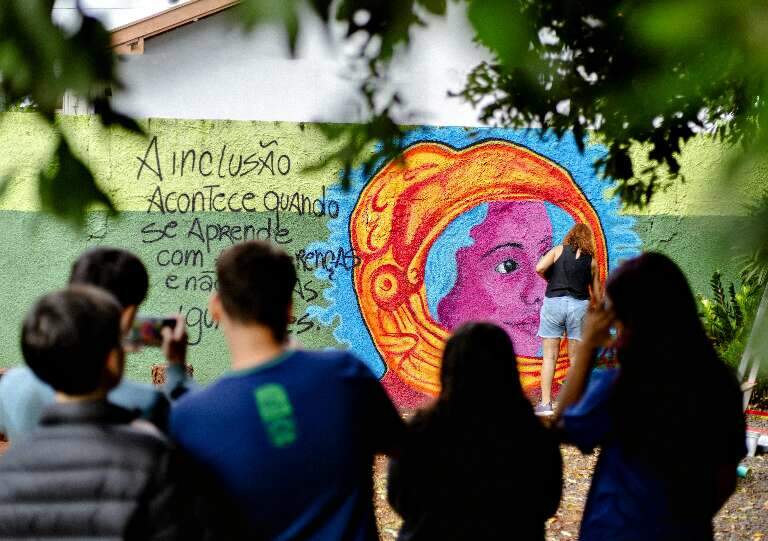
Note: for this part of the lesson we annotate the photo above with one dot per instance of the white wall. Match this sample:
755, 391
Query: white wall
112, 13
211, 69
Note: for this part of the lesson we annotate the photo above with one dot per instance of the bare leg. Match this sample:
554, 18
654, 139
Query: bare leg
551, 347
573, 348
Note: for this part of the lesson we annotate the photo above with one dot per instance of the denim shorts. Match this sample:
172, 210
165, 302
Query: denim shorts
562, 315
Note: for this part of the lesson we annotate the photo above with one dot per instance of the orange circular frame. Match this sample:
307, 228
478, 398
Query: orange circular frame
404, 209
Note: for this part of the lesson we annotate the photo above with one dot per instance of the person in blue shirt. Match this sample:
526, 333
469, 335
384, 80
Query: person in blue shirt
671, 389
23, 396
290, 434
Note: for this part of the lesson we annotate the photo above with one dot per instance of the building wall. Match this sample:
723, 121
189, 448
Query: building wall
213, 70
387, 268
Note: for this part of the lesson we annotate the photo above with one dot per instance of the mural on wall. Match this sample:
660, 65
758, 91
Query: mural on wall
451, 232
448, 232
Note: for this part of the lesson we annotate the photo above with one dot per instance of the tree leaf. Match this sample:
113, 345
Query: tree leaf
110, 117
68, 189
434, 6
508, 39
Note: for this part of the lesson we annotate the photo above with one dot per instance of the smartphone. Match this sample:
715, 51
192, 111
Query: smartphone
148, 330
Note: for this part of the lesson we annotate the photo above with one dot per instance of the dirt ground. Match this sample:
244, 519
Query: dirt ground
744, 516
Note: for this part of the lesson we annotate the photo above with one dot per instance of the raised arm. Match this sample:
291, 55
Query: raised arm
547, 260
595, 334
597, 287
174, 347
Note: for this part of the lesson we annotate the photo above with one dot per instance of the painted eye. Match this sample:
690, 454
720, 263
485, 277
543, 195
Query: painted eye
507, 266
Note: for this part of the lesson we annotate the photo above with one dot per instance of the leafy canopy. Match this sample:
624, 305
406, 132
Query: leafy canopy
653, 73
39, 62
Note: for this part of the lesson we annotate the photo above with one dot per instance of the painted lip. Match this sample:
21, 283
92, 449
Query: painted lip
529, 325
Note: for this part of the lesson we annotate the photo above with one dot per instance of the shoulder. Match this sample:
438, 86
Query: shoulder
145, 435
134, 447
341, 362
21, 376
198, 399
132, 395
202, 402
20, 383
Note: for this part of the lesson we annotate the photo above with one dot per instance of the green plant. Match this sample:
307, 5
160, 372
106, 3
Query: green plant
728, 317
753, 241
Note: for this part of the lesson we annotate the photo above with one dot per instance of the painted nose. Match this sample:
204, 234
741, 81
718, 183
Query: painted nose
533, 293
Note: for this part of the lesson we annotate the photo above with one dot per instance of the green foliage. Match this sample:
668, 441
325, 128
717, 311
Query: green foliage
753, 241
728, 317
39, 62
723, 314
654, 73
67, 188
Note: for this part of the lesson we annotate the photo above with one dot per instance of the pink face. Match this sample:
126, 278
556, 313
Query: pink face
497, 278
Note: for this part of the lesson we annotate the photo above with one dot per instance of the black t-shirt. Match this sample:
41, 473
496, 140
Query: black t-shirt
570, 276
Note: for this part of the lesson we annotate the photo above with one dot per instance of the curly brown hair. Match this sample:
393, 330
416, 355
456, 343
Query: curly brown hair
581, 238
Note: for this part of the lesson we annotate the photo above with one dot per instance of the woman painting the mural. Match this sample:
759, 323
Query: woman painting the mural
572, 279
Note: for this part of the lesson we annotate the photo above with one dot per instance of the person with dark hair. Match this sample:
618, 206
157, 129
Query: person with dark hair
24, 396
670, 390
572, 279
291, 434
88, 471
477, 464
115, 270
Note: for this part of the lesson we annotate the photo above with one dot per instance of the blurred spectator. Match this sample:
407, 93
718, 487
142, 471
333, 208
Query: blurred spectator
668, 420
290, 433
88, 471
477, 464
23, 396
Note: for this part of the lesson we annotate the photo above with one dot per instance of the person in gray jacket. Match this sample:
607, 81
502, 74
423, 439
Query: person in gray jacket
89, 470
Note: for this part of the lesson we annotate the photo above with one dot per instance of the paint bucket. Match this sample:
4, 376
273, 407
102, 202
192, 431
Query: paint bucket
752, 438
742, 471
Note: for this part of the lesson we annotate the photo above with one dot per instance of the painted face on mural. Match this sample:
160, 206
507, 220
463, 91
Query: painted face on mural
496, 276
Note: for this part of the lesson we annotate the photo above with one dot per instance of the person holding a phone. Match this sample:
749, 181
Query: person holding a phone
670, 386
572, 280
23, 396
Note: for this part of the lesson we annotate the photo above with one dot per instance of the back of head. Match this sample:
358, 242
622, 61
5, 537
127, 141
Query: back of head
256, 282
115, 270
67, 336
652, 299
479, 374
480, 439
478, 362
580, 237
